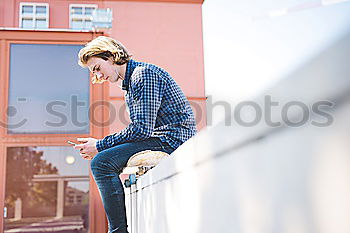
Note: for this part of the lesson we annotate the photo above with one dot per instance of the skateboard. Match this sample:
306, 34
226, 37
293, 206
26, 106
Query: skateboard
140, 163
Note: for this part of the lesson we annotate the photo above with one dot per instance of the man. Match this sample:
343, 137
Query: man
161, 120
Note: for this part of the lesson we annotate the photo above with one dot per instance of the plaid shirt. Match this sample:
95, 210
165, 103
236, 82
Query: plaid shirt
158, 108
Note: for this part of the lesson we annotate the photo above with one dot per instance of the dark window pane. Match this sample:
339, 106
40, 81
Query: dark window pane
41, 10
49, 91
89, 10
77, 10
51, 191
27, 9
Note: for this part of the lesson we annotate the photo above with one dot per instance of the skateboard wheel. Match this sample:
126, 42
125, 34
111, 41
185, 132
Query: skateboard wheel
132, 179
127, 183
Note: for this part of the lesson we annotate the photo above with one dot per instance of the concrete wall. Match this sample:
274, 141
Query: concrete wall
261, 179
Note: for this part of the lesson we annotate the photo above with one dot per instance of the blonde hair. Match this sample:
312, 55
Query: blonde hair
105, 48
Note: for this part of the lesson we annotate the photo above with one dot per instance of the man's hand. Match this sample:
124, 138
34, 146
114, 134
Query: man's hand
88, 147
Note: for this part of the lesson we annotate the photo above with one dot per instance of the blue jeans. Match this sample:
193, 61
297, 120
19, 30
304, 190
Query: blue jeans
106, 167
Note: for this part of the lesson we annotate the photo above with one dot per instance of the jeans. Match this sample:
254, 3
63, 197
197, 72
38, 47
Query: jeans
106, 167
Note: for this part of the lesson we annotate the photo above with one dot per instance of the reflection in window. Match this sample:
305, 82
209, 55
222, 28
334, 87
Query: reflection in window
48, 92
49, 194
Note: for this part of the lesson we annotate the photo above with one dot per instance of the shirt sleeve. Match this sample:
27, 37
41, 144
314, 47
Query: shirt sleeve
146, 91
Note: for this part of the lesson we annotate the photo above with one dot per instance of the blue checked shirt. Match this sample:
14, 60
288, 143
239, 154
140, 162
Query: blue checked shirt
158, 108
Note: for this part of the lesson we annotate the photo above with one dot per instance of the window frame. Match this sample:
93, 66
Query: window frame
82, 17
34, 16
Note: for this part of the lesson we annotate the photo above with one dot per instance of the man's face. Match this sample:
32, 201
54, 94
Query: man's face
103, 70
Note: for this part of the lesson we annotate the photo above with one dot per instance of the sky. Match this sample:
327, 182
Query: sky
250, 45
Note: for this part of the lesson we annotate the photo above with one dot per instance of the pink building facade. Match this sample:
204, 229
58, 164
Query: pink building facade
163, 32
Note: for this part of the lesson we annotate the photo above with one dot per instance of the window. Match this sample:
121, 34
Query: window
60, 103
79, 199
34, 15
37, 195
80, 16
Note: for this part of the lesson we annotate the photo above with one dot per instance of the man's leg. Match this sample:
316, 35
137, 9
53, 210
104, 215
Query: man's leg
106, 167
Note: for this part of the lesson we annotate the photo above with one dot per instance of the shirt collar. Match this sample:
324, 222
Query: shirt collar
129, 70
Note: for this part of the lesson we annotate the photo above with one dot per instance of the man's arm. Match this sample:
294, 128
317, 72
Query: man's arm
146, 91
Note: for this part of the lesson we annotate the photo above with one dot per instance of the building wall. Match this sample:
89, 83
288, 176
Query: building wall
168, 34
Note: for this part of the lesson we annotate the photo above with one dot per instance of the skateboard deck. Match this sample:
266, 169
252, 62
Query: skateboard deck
140, 163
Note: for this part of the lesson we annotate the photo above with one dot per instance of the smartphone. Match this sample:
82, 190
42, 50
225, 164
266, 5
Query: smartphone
72, 143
